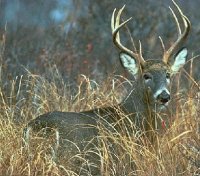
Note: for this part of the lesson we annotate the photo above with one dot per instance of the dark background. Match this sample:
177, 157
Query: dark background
75, 35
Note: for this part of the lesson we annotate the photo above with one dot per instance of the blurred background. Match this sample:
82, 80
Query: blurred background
75, 35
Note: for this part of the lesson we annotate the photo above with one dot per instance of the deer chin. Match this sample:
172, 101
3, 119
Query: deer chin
164, 106
160, 105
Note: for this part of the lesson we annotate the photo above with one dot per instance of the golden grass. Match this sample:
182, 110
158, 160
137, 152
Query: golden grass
24, 98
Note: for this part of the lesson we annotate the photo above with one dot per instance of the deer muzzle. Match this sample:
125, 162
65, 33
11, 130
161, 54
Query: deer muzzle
163, 97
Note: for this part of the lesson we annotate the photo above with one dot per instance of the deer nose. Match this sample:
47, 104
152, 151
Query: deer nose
164, 97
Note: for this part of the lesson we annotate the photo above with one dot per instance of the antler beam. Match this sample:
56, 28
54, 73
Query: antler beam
181, 36
116, 26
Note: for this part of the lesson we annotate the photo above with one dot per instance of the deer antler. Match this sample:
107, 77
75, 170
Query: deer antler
116, 26
181, 36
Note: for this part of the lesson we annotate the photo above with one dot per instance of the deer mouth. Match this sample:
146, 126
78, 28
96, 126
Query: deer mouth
164, 101
162, 105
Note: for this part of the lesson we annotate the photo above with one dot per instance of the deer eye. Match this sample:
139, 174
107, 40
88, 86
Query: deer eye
147, 76
168, 75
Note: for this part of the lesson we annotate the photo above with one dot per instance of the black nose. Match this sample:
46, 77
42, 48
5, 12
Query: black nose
164, 97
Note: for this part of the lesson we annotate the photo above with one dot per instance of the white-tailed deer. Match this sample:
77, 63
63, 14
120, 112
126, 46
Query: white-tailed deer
150, 92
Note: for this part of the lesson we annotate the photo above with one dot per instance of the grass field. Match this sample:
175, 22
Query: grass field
25, 97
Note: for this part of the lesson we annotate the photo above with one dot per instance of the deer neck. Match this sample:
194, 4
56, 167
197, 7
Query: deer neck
139, 109
138, 100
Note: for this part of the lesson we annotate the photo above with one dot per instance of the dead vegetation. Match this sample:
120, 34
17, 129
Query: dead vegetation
177, 152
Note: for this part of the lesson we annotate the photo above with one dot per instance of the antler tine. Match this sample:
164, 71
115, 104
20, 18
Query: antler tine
181, 37
142, 61
116, 26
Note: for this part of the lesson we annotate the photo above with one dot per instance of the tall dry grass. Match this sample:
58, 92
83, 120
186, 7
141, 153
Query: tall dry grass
25, 97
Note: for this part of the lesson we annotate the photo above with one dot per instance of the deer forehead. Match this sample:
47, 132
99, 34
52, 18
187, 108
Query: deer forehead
155, 65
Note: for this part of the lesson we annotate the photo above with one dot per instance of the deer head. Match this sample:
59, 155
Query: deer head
153, 74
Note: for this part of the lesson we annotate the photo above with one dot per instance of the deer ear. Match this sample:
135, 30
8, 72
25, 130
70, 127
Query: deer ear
129, 63
179, 60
